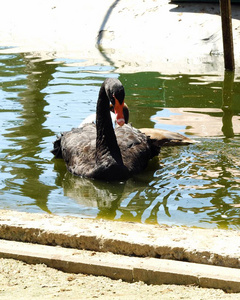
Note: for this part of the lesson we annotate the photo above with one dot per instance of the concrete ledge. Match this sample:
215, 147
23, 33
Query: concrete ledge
205, 246
148, 270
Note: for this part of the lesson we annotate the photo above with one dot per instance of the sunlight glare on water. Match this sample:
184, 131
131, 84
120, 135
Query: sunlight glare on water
195, 185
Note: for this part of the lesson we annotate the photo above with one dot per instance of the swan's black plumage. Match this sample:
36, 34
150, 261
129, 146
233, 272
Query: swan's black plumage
98, 151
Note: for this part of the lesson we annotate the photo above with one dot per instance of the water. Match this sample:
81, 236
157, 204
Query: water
195, 185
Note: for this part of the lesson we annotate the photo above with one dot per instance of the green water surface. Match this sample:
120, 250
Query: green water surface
195, 185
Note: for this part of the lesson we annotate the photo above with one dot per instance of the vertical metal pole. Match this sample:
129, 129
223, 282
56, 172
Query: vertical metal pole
226, 16
227, 95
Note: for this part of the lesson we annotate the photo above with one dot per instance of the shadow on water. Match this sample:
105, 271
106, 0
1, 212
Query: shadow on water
196, 185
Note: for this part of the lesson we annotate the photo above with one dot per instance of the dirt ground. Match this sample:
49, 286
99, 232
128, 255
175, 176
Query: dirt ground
19, 280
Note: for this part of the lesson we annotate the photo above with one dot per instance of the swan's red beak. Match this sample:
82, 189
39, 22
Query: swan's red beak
118, 109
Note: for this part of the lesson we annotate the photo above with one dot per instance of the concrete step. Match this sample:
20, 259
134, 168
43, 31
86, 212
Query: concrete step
130, 269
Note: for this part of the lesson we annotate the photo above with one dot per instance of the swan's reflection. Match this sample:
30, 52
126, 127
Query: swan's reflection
25, 76
122, 200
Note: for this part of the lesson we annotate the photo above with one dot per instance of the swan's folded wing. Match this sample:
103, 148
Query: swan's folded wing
79, 148
136, 148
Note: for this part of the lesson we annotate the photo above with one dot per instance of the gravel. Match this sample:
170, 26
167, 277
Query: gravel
19, 280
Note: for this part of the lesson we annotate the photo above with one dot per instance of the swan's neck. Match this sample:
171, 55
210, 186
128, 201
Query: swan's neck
106, 138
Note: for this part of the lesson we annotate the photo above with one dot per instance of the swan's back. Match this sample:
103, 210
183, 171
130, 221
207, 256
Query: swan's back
78, 149
136, 148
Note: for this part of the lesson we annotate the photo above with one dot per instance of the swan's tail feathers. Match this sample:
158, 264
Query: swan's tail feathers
167, 138
156, 146
57, 149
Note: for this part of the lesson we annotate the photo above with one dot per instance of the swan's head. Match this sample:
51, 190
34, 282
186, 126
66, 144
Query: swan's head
116, 94
125, 112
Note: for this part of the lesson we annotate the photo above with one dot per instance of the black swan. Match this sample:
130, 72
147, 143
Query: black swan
98, 151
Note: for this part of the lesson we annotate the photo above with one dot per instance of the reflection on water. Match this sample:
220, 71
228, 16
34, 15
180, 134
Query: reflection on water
196, 185
26, 78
